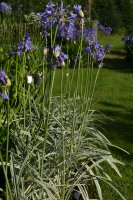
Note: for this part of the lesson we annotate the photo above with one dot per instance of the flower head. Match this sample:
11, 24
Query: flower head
76, 9
108, 47
24, 46
45, 51
5, 7
59, 57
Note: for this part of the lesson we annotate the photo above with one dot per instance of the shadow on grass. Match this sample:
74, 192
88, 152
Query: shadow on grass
118, 63
119, 131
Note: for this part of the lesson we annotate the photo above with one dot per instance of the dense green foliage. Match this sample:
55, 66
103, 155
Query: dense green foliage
115, 13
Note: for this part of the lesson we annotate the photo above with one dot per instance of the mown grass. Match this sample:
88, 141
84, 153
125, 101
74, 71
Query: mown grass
114, 93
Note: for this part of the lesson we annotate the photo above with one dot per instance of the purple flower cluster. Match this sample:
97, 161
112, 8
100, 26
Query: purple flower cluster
95, 49
128, 39
65, 19
3, 82
76, 9
59, 57
102, 28
24, 46
5, 7
107, 48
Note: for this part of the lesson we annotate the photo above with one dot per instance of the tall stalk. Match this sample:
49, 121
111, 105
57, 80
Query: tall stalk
30, 114
63, 145
46, 123
7, 147
24, 88
78, 77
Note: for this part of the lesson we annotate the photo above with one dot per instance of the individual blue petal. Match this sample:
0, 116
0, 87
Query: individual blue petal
5, 95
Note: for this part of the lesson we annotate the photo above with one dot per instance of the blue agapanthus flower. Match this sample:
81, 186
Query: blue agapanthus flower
58, 57
76, 9
107, 48
3, 78
5, 7
95, 50
25, 46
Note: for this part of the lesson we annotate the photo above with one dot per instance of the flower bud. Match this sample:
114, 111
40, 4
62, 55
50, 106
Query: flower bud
63, 64
50, 18
8, 84
67, 74
81, 14
45, 51
14, 95
1, 49
56, 54
63, 20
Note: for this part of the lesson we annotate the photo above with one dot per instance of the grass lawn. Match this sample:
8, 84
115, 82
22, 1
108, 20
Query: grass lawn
114, 91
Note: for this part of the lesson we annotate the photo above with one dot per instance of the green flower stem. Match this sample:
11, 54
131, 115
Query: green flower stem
88, 105
63, 145
46, 123
55, 35
30, 113
91, 74
6, 178
78, 78
0, 111
43, 87
24, 89
51, 33
73, 74
88, 76
67, 78
73, 123
16, 73
7, 146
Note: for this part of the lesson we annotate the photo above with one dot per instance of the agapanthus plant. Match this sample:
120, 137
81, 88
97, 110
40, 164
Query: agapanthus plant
25, 46
129, 44
6, 8
101, 28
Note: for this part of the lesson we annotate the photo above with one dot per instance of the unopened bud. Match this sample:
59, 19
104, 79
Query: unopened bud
63, 20
56, 54
1, 49
45, 51
67, 74
8, 84
63, 64
81, 14
14, 95
23, 94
